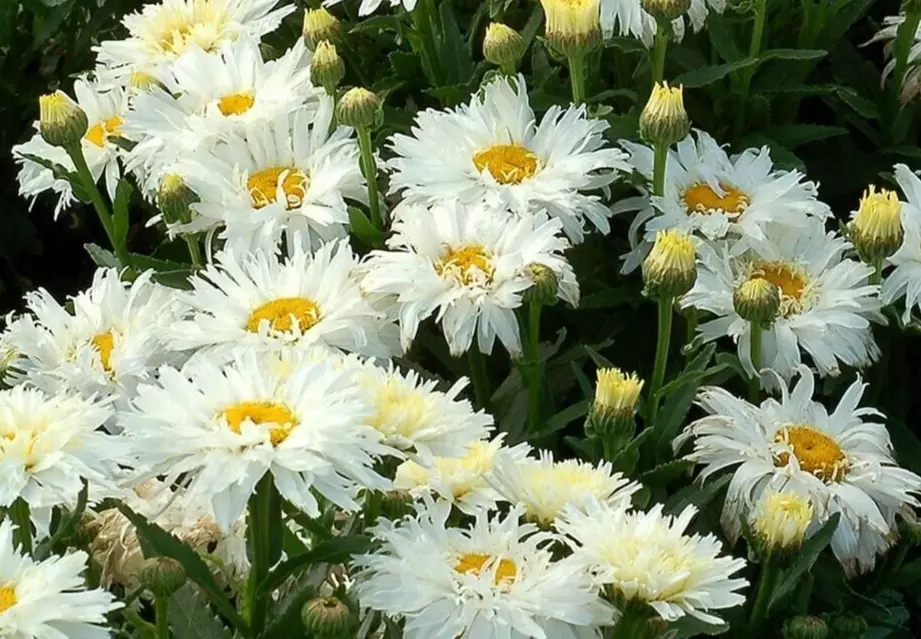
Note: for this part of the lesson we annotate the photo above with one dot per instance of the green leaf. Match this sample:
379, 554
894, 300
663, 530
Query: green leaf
810, 551
722, 39
66, 527
793, 54
688, 626
709, 75
452, 51
120, 210
664, 474
696, 494
794, 135
156, 542
190, 617
286, 616
332, 551
102, 257
363, 229
533, 24
562, 419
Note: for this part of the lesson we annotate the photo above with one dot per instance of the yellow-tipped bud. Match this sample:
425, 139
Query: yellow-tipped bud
320, 25
327, 618
780, 521
670, 269
573, 26
666, 10
61, 120
545, 285
664, 120
616, 394
175, 199
503, 46
876, 227
327, 68
359, 109
804, 627
757, 300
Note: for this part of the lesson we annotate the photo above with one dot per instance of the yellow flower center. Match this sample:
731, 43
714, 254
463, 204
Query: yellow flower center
284, 313
104, 343
507, 163
505, 569
467, 264
7, 598
236, 103
278, 417
816, 452
100, 132
792, 282
701, 198
263, 186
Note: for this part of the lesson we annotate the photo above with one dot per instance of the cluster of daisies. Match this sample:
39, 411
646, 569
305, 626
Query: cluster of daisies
282, 362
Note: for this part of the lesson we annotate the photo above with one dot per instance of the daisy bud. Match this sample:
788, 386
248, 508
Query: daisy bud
320, 25
359, 109
757, 301
61, 120
616, 396
327, 68
876, 228
780, 521
666, 10
396, 504
573, 26
804, 627
670, 269
910, 529
848, 626
545, 285
664, 120
503, 46
162, 576
326, 618
175, 198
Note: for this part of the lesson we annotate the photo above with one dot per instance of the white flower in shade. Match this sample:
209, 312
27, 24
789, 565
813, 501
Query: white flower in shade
283, 179
494, 150
647, 557
841, 462
412, 415
905, 279
826, 302
222, 427
545, 487
628, 18
105, 346
50, 444
467, 266
464, 481
161, 32
781, 520
49, 598
368, 7
717, 195
204, 96
105, 110
911, 85
266, 302
497, 580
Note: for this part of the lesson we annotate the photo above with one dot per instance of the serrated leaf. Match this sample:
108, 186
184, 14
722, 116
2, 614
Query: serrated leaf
286, 616
794, 135
722, 39
562, 419
102, 257
663, 474
709, 75
190, 616
810, 551
688, 626
452, 51
793, 54
332, 551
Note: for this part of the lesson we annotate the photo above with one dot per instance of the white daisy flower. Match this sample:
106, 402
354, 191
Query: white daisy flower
628, 18
283, 179
840, 461
826, 303
105, 110
494, 150
545, 487
648, 558
497, 580
717, 195
49, 445
905, 279
468, 266
109, 343
160, 33
204, 96
265, 302
367, 7
412, 415
222, 427
49, 598
911, 84
466, 482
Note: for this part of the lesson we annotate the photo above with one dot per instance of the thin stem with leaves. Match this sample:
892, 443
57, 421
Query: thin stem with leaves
754, 383
754, 50
767, 581
663, 35
161, 617
264, 532
369, 168
662, 346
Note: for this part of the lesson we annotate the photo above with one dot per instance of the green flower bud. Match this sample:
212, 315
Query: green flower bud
327, 68
545, 285
61, 120
175, 198
616, 396
847, 625
804, 627
666, 10
396, 504
327, 618
503, 46
320, 25
757, 300
162, 576
359, 109
664, 120
670, 269
876, 227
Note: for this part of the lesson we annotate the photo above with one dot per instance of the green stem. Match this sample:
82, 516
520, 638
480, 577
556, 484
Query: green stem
754, 384
660, 161
770, 572
663, 34
479, 376
901, 49
21, 516
754, 50
662, 345
264, 532
533, 366
691, 318
194, 249
425, 29
633, 624
369, 168
161, 612
877, 276
577, 78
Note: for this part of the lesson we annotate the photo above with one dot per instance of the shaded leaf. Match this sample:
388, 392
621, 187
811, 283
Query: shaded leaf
709, 75
190, 617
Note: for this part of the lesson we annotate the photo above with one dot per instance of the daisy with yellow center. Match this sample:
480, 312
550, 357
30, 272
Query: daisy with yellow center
901, 280
819, 462
499, 576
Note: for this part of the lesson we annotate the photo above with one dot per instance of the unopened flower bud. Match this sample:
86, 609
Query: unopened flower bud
359, 109
804, 627
876, 227
396, 504
666, 10
573, 26
616, 395
910, 529
503, 46
320, 25
327, 618
664, 120
61, 120
545, 285
327, 68
162, 576
670, 269
175, 199
847, 625
757, 301
780, 521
